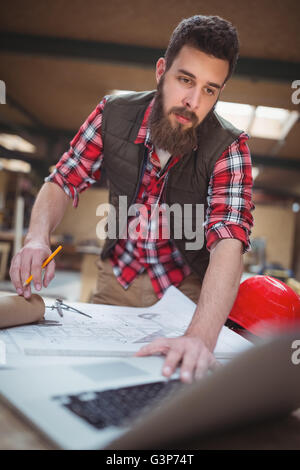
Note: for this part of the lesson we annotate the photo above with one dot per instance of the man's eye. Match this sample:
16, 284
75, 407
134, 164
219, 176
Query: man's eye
184, 79
210, 91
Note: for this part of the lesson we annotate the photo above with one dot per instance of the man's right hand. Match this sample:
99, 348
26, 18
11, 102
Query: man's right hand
29, 261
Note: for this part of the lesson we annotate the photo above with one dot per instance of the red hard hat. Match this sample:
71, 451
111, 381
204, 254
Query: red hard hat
264, 303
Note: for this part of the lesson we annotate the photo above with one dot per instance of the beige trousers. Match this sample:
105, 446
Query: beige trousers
140, 293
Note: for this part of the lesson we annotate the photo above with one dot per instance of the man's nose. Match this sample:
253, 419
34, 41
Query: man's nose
193, 99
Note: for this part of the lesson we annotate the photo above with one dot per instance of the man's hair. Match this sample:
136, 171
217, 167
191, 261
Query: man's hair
210, 34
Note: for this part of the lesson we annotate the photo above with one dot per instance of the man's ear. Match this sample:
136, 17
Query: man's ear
160, 68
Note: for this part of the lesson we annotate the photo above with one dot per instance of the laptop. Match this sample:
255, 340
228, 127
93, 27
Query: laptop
128, 404
87, 405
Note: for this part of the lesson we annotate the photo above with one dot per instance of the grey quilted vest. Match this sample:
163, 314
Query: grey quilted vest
188, 180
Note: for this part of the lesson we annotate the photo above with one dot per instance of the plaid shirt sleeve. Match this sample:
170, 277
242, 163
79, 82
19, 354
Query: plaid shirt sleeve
80, 166
230, 196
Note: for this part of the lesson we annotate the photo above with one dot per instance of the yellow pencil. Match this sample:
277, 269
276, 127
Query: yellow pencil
44, 264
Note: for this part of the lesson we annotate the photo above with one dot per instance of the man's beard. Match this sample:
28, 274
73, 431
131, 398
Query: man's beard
176, 140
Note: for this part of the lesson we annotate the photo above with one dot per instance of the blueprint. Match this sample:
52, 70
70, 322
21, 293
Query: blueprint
111, 330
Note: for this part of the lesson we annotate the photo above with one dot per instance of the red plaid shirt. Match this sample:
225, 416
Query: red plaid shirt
229, 201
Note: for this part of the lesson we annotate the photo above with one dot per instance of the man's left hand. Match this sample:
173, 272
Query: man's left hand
190, 351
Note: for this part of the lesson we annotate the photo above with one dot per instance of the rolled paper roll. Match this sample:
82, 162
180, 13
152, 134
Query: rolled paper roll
16, 310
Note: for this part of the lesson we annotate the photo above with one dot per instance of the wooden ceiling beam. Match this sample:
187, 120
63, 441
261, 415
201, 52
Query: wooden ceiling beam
134, 55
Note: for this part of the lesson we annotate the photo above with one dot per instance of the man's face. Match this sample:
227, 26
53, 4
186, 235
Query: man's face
186, 94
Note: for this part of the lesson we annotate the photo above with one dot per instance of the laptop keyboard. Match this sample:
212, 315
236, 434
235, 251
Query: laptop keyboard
117, 407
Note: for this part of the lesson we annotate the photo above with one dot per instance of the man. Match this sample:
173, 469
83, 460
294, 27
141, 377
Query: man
166, 147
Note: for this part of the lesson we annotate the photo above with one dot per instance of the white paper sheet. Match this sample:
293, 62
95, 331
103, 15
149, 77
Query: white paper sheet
112, 330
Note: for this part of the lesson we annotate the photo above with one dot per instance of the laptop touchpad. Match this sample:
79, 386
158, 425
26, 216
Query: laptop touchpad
107, 371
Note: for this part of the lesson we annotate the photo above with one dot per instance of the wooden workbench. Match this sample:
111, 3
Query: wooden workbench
17, 434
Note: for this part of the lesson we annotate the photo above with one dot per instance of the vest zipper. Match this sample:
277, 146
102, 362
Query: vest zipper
141, 174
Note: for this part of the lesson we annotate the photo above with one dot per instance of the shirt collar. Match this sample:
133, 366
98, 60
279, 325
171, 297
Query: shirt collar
143, 136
